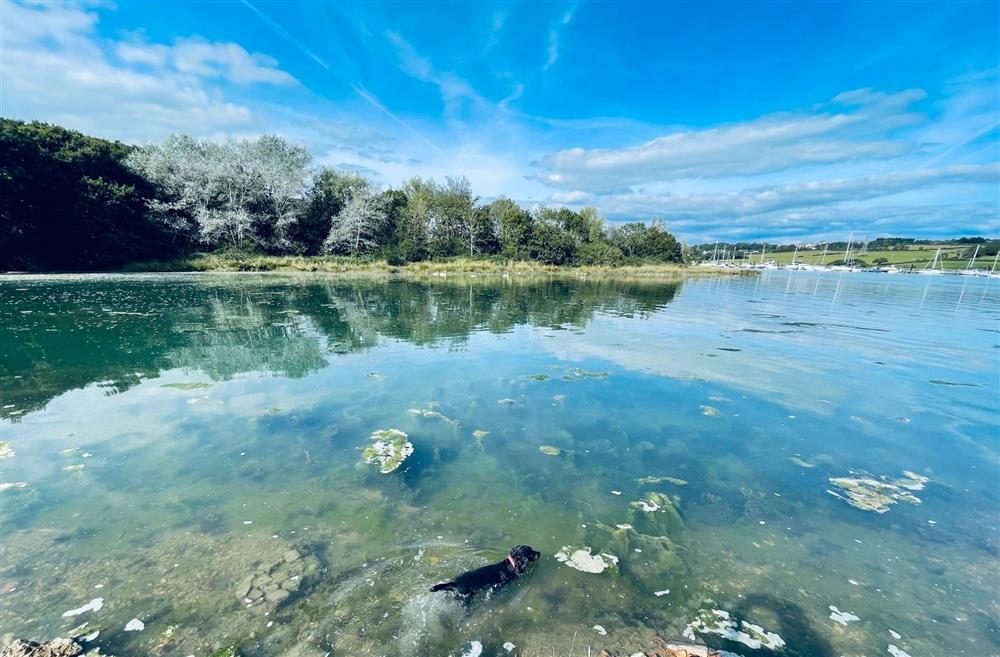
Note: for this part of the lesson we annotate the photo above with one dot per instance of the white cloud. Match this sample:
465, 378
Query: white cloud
195, 56
853, 128
57, 68
772, 198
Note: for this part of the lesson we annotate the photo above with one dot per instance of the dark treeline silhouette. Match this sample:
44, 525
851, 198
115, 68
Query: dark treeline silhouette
73, 202
67, 333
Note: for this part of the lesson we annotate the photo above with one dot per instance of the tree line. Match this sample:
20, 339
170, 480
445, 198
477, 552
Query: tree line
74, 202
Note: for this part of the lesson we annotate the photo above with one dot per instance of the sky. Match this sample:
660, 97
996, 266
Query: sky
792, 122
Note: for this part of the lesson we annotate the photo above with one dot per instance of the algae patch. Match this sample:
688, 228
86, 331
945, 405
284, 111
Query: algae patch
652, 481
190, 385
870, 494
581, 559
389, 450
718, 621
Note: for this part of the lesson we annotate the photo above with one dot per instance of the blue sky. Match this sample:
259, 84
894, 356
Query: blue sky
730, 120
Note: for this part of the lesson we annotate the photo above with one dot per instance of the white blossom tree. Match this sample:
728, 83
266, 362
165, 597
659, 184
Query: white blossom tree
355, 229
239, 193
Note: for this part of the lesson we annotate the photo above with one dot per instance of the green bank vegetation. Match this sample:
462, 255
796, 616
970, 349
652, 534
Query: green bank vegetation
74, 203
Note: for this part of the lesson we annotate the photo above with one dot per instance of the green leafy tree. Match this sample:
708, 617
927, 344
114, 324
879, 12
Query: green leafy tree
331, 190
69, 202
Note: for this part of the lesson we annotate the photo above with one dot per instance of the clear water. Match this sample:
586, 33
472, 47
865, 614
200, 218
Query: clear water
187, 490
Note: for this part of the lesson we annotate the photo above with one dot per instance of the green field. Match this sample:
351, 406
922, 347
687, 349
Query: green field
953, 256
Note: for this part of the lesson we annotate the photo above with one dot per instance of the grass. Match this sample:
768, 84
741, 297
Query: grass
458, 266
952, 256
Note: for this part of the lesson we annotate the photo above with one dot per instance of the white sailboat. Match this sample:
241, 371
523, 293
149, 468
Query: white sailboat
970, 269
933, 267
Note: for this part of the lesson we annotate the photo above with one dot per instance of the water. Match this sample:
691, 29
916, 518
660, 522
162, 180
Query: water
219, 422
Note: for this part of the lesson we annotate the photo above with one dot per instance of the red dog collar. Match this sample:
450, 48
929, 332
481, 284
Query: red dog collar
511, 560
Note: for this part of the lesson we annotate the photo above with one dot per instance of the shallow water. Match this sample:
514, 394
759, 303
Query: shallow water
219, 420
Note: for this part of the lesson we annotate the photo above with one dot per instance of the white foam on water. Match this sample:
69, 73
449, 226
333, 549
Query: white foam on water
93, 605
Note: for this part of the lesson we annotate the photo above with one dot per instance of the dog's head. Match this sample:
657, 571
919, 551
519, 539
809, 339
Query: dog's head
521, 556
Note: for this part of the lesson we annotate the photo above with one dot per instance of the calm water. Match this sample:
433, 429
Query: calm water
219, 422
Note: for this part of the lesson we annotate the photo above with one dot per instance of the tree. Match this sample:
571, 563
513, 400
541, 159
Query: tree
638, 240
69, 202
512, 226
357, 227
330, 192
241, 193
453, 230
551, 244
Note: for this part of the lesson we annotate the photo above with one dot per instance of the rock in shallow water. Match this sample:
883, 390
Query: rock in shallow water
54, 648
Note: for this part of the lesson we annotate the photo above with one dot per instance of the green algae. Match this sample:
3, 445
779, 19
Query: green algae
870, 494
191, 385
652, 481
390, 449
719, 622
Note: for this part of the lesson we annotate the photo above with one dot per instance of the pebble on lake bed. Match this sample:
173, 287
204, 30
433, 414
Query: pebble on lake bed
277, 579
709, 411
135, 625
600, 630
549, 450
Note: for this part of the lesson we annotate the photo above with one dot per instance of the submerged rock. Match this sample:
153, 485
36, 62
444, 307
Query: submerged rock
7, 485
6, 450
549, 450
54, 648
277, 579
718, 621
870, 494
429, 414
479, 434
536, 377
710, 411
581, 559
390, 449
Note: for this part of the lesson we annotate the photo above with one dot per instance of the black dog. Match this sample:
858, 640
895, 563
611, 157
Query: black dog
492, 576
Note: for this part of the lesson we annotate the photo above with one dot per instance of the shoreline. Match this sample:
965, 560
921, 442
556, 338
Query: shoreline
460, 267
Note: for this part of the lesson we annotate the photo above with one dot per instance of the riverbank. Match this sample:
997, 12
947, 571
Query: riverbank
341, 265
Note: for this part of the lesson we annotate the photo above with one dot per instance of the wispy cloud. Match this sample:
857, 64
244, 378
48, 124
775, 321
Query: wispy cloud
854, 127
359, 88
555, 34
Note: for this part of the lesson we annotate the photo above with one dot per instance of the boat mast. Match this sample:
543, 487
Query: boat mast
847, 254
972, 260
822, 261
